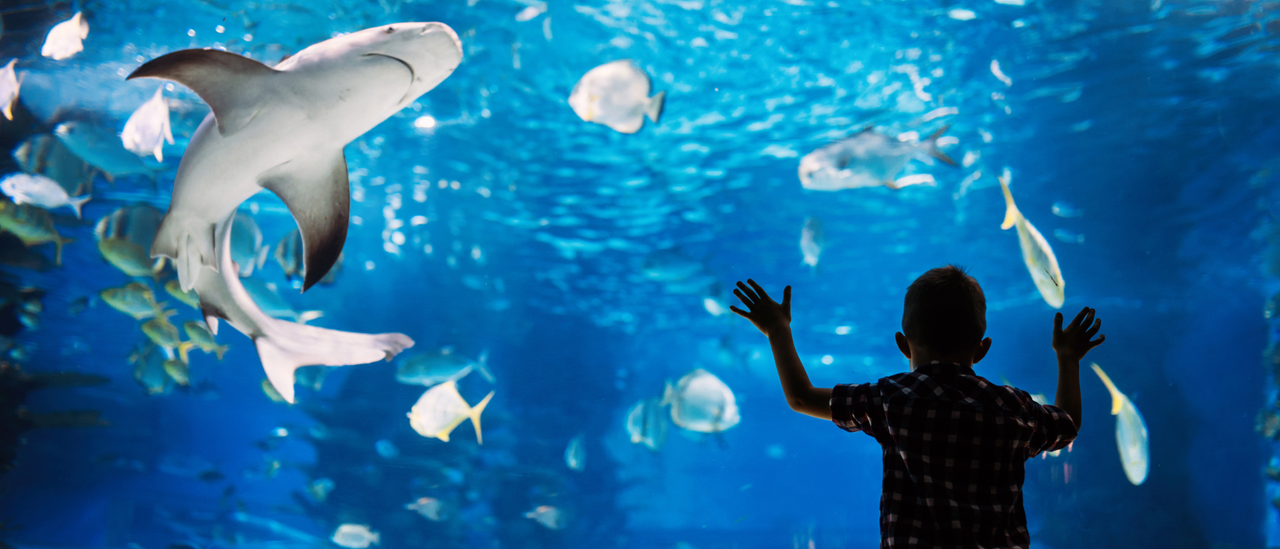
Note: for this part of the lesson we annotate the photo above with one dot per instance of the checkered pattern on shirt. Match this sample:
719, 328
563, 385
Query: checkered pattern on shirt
954, 446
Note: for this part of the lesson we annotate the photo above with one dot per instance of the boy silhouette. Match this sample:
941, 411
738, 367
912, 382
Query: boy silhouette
954, 443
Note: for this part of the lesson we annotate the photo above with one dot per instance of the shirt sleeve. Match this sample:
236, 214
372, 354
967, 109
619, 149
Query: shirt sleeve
1054, 428
851, 406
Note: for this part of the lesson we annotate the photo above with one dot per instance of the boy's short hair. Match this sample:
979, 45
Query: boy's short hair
945, 311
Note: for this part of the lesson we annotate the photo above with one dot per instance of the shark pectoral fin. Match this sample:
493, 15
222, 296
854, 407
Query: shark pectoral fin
231, 84
316, 190
280, 366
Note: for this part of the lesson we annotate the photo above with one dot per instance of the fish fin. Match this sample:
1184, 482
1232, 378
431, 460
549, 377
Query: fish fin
475, 416
262, 256
57, 248
932, 147
8, 111
1011, 214
668, 395
229, 83
891, 184
318, 195
287, 346
210, 319
307, 316
184, 351
280, 366
189, 247
219, 350
655, 106
159, 152
77, 202
1117, 398
483, 368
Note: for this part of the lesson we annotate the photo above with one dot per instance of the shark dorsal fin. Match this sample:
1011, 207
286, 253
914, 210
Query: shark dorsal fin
222, 79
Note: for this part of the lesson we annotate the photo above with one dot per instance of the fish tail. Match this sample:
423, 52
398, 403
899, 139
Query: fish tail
184, 351
78, 202
475, 416
57, 248
307, 316
932, 147
1117, 398
159, 152
655, 106
668, 395
219, 350
262, 256
1011, 214
8, 110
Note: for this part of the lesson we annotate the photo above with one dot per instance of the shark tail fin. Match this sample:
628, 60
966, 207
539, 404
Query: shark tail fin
1011, 214
307, 316
78, 202
474, 414
289, 346
931, 146
656, 104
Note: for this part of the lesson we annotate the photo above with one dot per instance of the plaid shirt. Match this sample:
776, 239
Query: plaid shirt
954, 446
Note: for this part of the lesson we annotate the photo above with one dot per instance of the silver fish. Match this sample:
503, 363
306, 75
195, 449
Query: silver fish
40, 191
702, 403
10, 83
867, 159
247, 250
102, 149
148, 128
289, 255
812, 238
616, 95
66, 38
437, 367
44, 154
647, 424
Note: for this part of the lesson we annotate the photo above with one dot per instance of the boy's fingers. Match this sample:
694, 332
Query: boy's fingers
758, 289
740, 312
742, 298
1098, 342
1097, 325
747, 291
786, 298
1079, 318
1057, 322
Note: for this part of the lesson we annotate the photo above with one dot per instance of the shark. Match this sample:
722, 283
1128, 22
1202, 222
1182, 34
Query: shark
283, 128
282, 346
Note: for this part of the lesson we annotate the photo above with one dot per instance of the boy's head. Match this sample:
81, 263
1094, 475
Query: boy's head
945, 313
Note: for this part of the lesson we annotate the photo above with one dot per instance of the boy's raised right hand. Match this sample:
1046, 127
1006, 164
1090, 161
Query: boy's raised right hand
767, 315
1073, 342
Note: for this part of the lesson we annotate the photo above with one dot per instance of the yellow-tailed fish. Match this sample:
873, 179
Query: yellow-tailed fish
441, 409
1131, 432
163, 333
1036, 253
124, 239
188, 297
178, 371
10, 83
134, 299
32, 225
200, 337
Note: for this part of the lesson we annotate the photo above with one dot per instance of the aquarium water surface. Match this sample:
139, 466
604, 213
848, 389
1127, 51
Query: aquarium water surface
552, 202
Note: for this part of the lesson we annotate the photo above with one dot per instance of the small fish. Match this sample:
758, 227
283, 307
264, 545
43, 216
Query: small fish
868, 159
355, 536
77, 305
148, 128
311, 376
441, 409
148, 370
386, 449
44, 154
189, 297
616, 95
264, 295
320, 488
29, 320
646, 424
548, 516
1131, 432
102, 149
702, 403
10, 83
178, 371
271, 392
437, 367
247, 250
200, 337
812, 238
124, 239
1066, 209
134, 299
41, 191
289, 253
999, 74
669, 265
1064, 235
66, 38
430, 508
32, 225
575, 454
1036, 253
165, 334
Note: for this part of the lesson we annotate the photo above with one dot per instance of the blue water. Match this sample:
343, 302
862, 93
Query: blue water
1150, 127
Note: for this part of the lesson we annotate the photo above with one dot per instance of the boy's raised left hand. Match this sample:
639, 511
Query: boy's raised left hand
767, 315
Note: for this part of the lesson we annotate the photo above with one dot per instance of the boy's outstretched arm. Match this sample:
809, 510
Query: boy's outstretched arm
773, 319
1071, 344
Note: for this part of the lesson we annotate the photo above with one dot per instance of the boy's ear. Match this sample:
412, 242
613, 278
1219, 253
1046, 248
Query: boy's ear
902, 344
981, 351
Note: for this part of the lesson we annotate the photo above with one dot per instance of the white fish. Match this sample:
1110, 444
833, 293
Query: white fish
1036, 253
10, 83
247, 250
437, 367
575, 454
867, 159
1070, 237
125, 234
701, 402
148, 128
548, 516
1131, 432
646, 424
66, 38
999, 74
355, 536
429, 508
441, 409
616, 95
282, 346
283, 128
39, 190
812, 238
